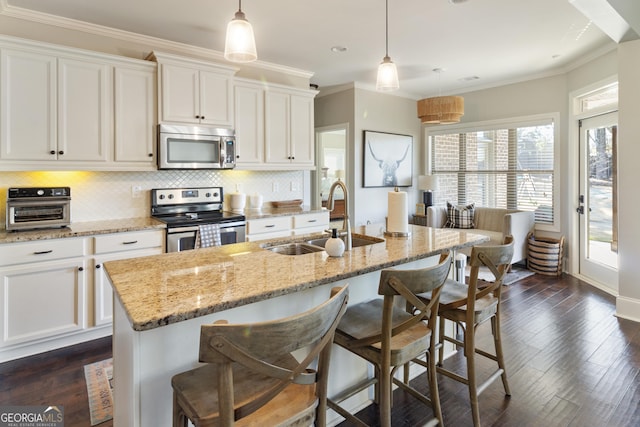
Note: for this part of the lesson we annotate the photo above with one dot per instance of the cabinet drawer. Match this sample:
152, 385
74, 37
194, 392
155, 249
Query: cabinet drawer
43, 250
319, 219
129, 241
268, 225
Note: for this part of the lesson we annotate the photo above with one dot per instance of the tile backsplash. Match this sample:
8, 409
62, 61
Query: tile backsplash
110, 195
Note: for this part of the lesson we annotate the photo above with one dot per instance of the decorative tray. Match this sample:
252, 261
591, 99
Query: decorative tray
286, 203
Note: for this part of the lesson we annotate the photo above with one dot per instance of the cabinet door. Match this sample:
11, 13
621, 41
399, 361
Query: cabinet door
180, 94
302, 132
42, 300
85, 117
135, 98
215, 99
27, 106
277, 125
249, 124
102, 291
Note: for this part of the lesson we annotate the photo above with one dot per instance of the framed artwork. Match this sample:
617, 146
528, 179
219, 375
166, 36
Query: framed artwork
388, 159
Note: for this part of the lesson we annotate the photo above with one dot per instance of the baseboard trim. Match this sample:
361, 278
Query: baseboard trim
628, 308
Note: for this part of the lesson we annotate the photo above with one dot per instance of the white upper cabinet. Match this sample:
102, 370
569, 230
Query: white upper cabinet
192, 91
289, 129
302, 130
28, 123
135, 112
274, 126
64, 108
249, 123
84, 110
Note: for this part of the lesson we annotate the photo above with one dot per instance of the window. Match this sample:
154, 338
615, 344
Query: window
509, 165
598, 99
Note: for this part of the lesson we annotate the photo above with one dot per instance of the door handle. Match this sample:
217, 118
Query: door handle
580, 210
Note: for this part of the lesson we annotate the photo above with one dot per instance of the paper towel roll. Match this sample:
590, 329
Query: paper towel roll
397, 221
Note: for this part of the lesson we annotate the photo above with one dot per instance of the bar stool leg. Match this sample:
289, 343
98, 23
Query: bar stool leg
469, 350
495, 326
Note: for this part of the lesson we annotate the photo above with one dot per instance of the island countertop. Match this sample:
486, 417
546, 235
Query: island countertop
164, 289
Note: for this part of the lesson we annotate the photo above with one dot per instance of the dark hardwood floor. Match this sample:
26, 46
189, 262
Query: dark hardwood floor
570, 362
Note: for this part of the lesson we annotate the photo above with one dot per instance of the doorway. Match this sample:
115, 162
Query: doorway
331, 143
598, 197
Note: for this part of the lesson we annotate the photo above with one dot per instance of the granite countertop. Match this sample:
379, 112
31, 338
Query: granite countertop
169, 288
79, 229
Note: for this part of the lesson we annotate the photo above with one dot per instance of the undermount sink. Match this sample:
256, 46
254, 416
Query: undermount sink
356, 240
295, 248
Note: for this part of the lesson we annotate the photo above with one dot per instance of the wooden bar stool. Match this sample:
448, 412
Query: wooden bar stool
388, 336
469, 306
252, 378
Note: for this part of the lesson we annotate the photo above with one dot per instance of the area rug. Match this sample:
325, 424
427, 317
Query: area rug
516, 273
99, 379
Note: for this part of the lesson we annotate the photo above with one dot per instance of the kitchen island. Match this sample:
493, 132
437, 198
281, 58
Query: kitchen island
161, 301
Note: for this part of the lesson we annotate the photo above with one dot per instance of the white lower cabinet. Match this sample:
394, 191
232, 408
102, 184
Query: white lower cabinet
311, 223
111, 247
285, 226
43, 290
54, 293
268, 228
43, 300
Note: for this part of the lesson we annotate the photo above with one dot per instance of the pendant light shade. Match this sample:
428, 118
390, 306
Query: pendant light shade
240, 44
387, 72
387, 75
441, 109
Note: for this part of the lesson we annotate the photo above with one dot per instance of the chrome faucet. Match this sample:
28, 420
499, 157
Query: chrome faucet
346, 226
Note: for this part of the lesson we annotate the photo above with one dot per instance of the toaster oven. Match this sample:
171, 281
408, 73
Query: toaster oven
38, 207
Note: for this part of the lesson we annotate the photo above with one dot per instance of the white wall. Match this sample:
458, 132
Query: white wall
368, 110
628, 303
380, 112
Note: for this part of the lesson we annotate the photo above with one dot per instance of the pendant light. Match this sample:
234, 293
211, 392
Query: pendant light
387, 72
441, 109
240, 45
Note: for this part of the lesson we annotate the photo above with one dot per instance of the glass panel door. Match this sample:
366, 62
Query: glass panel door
598, 207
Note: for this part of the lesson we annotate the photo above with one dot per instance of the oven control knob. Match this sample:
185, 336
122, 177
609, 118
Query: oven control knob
170, 196
161, 196
215, 194
207, 195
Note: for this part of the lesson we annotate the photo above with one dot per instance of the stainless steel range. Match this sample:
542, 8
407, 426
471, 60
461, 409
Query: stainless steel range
184, 209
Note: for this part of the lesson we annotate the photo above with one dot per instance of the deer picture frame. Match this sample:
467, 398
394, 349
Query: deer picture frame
388, 159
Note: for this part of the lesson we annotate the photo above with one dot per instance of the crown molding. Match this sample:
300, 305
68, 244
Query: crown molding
154, 43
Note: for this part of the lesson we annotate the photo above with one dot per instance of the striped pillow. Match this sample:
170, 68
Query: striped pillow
460, 216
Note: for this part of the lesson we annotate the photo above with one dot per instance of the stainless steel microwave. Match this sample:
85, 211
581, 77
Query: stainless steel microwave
195, 147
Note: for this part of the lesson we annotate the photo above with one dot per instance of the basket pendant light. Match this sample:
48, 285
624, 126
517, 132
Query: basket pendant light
387, 71
441, 109
240, 44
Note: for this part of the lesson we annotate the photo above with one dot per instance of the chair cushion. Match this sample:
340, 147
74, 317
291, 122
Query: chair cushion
460, 216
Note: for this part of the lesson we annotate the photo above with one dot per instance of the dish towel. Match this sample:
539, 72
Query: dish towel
208, 235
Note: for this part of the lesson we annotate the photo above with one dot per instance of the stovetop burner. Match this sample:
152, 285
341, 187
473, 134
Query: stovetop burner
190, 206
209, 217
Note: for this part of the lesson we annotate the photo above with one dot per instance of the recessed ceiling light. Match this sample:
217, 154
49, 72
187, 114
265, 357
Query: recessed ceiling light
556, 56
469, 78
457, 1
338, 49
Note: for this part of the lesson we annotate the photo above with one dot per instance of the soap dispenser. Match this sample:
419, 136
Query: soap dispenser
334, 245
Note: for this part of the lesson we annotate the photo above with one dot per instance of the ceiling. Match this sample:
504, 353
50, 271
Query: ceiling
478, 43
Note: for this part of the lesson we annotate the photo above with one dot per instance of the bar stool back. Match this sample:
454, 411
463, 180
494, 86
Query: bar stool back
251, 377
387, 336
469, 306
